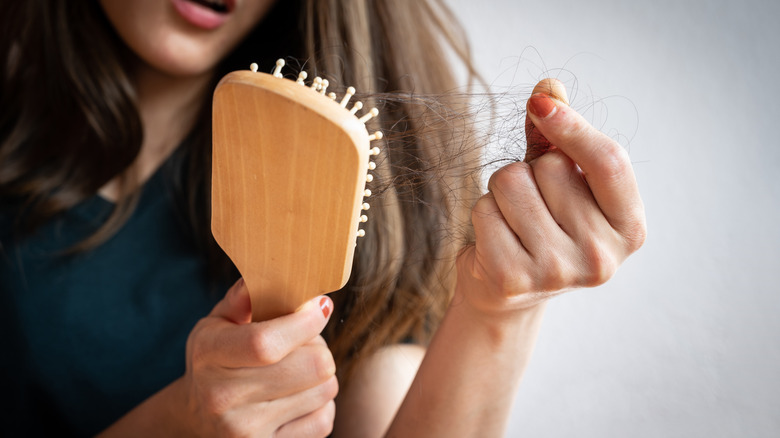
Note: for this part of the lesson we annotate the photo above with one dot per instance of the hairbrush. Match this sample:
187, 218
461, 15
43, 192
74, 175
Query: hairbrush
289, 172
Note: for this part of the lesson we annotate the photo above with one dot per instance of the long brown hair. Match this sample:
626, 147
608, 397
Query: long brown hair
70, 125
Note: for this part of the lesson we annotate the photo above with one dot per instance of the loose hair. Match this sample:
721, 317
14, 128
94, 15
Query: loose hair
70, 124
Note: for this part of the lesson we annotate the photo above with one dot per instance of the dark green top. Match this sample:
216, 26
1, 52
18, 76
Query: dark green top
87, 337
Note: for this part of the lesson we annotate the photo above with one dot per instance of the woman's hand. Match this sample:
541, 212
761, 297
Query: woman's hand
565, 219
273, 378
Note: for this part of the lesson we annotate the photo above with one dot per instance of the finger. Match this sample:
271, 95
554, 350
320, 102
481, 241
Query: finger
236, 306
265, 419
305, 367
315, 424
523, 207
604, 163
568, 196
536, 144
299, 405
496, 244
268, 342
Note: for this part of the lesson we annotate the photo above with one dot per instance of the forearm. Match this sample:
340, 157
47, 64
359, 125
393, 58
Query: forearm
158, 416
470, 374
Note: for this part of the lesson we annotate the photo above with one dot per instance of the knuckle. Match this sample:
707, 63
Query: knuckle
321, 424
635, 235
576, 131
323, 364
557, 274
600, 264
554, 162
329, 390
511, 175
484, 209
266, 347
325, 420
613, 164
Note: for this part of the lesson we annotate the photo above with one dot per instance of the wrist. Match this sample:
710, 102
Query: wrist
492, 302
495, 296
500, 322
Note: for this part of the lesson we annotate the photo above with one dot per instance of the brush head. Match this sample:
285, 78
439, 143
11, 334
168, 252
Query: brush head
289, 174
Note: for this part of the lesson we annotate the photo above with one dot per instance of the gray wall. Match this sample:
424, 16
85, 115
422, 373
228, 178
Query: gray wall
684, 340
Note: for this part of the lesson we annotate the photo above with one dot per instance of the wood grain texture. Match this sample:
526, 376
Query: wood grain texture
289, 170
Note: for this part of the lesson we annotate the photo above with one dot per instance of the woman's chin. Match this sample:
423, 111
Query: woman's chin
181, 58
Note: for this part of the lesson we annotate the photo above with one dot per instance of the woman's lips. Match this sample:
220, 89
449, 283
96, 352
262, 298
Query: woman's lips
201, 16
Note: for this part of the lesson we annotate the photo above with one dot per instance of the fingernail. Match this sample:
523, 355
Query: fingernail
325, 304
542, 105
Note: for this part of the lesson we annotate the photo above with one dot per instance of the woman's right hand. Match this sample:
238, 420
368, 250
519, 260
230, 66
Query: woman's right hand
272, 378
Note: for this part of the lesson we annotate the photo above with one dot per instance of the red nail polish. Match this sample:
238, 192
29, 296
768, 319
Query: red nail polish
325, 306
542, 105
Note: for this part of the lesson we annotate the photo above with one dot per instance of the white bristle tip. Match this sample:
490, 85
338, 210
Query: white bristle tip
376, 136
356, 107
373, 113
350, 92
369, 177
278, 69
253, 66
363, 218
365, 206
374, 151
371, 165
366, 193
361, 233
332, 95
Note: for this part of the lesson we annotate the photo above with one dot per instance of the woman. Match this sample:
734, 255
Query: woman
104, 167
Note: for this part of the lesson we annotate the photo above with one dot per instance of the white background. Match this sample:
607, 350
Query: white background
683, 342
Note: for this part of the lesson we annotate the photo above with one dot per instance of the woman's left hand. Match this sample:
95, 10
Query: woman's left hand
564, 220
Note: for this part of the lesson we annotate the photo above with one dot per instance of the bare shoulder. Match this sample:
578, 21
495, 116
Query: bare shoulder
367, 404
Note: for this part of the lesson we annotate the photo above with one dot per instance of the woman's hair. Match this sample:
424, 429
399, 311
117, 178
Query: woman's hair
70, 125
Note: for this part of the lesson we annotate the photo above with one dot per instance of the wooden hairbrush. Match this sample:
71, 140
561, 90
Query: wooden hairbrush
289, 172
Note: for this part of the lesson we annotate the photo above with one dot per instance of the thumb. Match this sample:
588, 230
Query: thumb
236, 305
536, 144
268, 342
